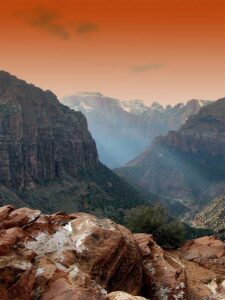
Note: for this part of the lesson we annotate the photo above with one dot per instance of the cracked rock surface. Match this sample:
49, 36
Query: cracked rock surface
79, 256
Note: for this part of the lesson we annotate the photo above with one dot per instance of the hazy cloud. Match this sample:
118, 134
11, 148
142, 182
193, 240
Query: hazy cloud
87, 27
46, 20
146, 67
52, 22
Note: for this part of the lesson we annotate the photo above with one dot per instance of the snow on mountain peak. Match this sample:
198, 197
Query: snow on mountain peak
135, 106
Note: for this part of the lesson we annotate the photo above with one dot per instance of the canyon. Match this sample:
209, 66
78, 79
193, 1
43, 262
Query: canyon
48, 158
124, 129
186, 166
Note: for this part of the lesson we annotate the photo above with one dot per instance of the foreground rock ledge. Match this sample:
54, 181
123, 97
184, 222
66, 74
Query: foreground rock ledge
79, 257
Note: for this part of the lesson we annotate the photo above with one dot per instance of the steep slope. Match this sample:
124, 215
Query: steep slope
41, 139
213, 216
48, 158
186, 165
122, 129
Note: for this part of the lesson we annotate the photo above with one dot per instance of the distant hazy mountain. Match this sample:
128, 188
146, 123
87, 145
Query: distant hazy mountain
122, 130
187, 165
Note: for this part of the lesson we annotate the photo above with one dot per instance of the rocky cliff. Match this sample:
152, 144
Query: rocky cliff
122, 130
40, 139
187, 165
202, 133
48, 158
78, 257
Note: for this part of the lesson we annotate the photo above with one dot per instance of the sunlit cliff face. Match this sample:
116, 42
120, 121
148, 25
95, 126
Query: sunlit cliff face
164, 50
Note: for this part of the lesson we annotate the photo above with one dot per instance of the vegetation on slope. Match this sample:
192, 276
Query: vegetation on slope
213, 217
167, 231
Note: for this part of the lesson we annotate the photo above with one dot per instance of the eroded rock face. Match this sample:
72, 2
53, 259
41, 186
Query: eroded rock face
207, 251
164, 277
78, 257
62, 256
40, 139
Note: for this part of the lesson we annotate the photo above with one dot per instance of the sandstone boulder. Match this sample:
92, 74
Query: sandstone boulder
75, 256
79, 256
20, 217
207, 251
164, 277
5, 211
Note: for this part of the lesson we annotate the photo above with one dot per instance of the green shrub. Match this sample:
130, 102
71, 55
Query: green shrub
155, 220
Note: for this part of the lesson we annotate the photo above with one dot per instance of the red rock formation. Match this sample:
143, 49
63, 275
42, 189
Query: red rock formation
207, 251
163, 277
79, 257
79, 260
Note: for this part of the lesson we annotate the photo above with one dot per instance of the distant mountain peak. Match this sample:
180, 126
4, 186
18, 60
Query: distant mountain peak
135, 106
157, 106
123, 129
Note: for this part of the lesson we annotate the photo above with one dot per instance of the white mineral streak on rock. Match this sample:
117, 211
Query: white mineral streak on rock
179, 296
212, 286
13, 262
177, 261
100, 288
223, 284
68, 227
150, 268
124, 296
81, 232
61, 267
39, 272
46, 243
74, 272
163, 293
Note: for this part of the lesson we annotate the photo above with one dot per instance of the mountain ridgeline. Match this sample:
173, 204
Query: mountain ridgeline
188, 165
122, 130
48, 158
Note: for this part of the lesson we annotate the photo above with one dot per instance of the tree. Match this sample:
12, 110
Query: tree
155, 220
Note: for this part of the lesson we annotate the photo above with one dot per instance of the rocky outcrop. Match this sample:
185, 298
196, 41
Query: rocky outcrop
78, 256
208, 252
73, 256
187, 165
162, 280
123, 130
48, 158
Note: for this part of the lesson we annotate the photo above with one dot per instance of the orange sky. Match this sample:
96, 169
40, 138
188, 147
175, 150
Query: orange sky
155, 50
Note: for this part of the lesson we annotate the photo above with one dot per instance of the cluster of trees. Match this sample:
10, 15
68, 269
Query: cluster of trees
155, 220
